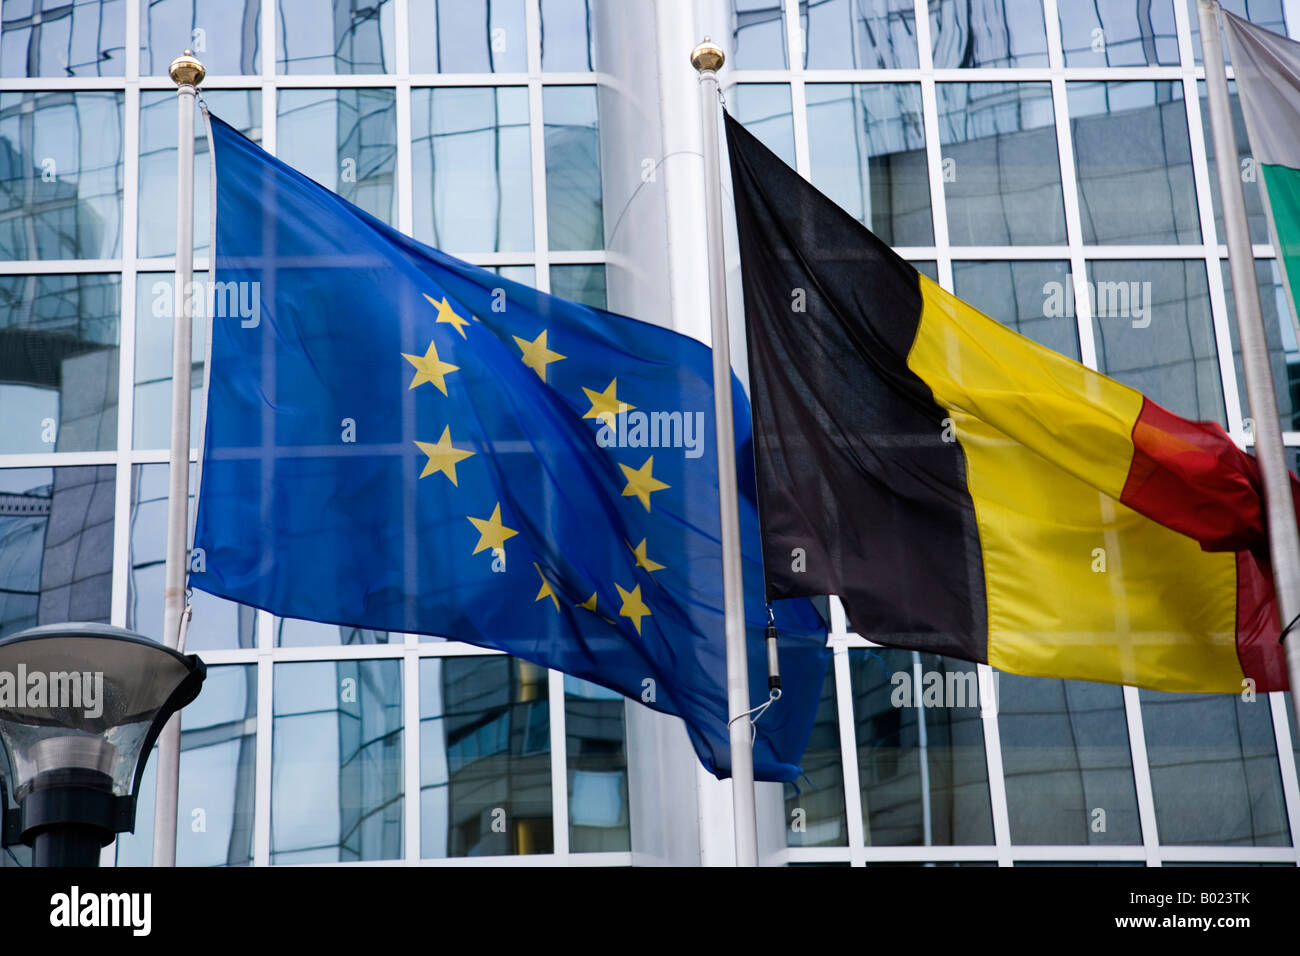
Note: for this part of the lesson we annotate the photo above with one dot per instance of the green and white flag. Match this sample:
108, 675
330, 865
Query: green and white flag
1267, 69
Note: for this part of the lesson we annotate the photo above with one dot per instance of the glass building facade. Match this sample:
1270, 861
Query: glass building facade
1047, 161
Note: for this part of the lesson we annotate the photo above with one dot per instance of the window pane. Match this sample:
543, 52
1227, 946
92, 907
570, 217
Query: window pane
61, 184
573, 191
764, 110
859, 34
758, 35
988, 33
242, 109
597, 768
922, 768
215, 623
1119, 33
867, 151
1214, 770
566, 36
1134, 163
56, 546
585, 284
224, 34
154, 328
336, 762
334, 36
474, 36
815, 813
1034, 298
1152, 327
290, 632
217, 778
1002, 175
346, 140
472, 170
485, 757
63, 38
58, 362
1256, 218
1066, 759
1268, 14
1280, 332
928, 268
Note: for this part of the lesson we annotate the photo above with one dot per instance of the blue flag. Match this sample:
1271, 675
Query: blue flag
399, 440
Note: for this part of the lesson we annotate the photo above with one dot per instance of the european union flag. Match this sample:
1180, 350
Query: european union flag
401, 441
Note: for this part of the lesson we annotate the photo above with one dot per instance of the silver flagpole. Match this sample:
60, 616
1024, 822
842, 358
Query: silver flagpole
1283, 536
707, 58
187, 73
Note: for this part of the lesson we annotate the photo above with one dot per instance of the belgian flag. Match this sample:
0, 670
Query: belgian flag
968, 492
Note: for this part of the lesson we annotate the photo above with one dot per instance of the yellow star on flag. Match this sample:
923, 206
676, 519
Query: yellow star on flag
633, 607
442, 456
590, 603
644, 562
641, 482
546, 591
447, 314
430, 368
606, 402
536, 355
491, 532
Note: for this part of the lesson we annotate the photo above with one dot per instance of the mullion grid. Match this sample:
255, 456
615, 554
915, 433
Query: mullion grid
1208, 250
408, 648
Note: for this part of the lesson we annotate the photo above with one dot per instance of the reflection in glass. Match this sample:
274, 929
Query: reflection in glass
58, 362
1034, 298
334, 36
154, 305
574, 215
815, 813
62, 37
291, 632
1279, 329
1256, 218
757, 35
60, 175
56, 546
336, 762
580, 283
485, 757
866, 146
1214, 770
215, 623
242, 109
474, 36
1119, 33
471, 169
1134, 163
1268, 14
1152, 327
971, 33
922, 767
566, 36
764, 110
346, 140
597, 768
1066, 760
217, 778
858, 34
1002, 176
225, 34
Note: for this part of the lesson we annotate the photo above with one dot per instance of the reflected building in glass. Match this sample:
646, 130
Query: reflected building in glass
1046, 162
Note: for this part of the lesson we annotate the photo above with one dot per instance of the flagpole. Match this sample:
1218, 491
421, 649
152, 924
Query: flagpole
707, 58
187, 73
1270, 452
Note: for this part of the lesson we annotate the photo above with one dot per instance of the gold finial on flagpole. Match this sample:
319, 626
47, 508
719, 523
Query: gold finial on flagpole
708, 56
187, 70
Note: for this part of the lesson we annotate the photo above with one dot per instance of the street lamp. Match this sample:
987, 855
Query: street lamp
80, 708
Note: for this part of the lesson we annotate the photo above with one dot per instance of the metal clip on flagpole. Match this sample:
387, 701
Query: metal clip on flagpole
1270, 452
707, 58
187, 73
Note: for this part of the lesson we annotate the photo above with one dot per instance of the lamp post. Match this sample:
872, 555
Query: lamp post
81, 706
